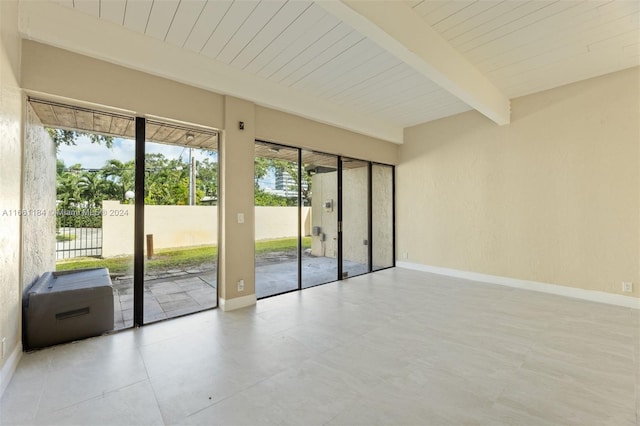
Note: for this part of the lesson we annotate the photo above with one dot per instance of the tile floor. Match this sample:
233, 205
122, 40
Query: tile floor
393, 347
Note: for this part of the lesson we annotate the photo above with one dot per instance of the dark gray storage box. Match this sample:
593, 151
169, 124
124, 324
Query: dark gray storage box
65, 306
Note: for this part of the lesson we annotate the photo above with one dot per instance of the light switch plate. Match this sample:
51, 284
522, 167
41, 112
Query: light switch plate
240, 217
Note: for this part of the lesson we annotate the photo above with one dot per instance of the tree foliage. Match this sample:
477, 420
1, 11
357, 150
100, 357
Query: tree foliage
68, 137
265, 165
166, 182
264, 198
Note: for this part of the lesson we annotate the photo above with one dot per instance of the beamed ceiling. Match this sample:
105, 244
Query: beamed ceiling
373, 67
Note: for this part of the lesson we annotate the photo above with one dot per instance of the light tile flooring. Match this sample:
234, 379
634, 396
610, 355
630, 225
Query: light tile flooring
394, 347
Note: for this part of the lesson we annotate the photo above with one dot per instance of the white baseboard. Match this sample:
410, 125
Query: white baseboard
237, 302
560, 290
9, 367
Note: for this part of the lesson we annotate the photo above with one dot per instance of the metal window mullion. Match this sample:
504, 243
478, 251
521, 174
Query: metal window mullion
339, 224
370, 216
393, 212
138, 264
300, 219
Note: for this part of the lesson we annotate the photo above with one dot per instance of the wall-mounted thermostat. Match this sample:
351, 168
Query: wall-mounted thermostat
328, 205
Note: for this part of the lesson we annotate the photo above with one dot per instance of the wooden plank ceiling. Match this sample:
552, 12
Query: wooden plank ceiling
528, 46
296, 44
521, 46
68, 117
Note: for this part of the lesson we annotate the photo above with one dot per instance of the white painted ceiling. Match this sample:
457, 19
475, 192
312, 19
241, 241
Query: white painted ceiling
528, 46
300, 48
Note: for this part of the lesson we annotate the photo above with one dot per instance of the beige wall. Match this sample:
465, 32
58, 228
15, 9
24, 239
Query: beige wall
288, 129
553, 197
281, 222
171, 226
236, 254
62, 73
11, 107
53, 71
118, 230
185, 226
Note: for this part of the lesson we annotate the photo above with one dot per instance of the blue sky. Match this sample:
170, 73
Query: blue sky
94, 156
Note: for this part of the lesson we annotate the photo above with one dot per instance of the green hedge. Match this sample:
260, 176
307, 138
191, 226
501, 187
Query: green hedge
79, 218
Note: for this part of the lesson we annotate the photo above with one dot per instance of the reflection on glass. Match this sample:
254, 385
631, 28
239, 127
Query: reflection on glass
180, 221
319, 219
276, 219
355, 213
382, 216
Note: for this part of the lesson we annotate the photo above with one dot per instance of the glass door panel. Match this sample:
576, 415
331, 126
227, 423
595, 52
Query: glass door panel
382, 216
180, 221
276, 219
95, 179
319, 218
355, 217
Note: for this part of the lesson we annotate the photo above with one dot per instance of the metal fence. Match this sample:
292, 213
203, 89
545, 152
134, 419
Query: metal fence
78, 242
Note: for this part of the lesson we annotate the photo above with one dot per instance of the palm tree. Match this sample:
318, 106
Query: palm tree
121, 177
90, 188
67, 191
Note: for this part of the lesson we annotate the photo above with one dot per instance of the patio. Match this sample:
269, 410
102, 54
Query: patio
179, 292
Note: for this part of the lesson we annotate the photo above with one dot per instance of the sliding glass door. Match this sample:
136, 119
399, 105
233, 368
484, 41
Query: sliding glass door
95, 177
320, 218
180, 221
277, 233
355, 217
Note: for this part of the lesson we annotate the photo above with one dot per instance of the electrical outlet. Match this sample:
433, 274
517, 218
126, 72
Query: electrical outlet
241, 285
627, 286
4, 342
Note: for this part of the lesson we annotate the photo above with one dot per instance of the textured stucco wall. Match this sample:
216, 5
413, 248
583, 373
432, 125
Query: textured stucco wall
324, 187
355, 222
354, 215
382, 215
11, 103
552, 197
38, 200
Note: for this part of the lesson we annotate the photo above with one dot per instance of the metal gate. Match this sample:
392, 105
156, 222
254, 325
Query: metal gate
77, 241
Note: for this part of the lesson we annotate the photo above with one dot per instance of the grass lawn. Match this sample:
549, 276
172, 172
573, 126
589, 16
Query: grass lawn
174, 258
281, 244
65, 237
